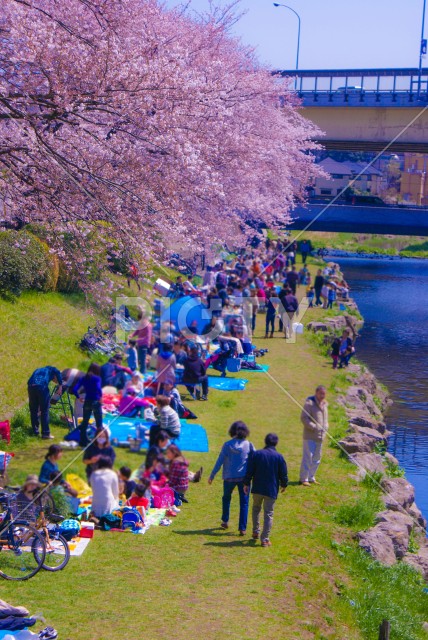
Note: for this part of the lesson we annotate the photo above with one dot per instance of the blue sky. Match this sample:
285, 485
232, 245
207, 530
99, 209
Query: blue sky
334, 33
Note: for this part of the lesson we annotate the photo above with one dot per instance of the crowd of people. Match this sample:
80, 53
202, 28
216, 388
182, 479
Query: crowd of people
263, 278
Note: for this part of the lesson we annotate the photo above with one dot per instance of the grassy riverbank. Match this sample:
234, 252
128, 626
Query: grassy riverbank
193, 579
404, 246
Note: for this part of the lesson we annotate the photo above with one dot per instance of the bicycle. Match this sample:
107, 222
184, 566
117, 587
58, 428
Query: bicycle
46, 522
22, 547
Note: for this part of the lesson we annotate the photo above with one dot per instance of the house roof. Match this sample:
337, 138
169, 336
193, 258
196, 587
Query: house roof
348, 168
332, 166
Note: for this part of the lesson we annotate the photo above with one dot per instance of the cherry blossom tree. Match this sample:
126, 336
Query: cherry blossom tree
127, 127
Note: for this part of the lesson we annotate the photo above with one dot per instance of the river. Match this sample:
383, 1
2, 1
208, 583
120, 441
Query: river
392, 295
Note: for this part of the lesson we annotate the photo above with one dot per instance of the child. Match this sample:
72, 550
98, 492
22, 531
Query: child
141, 495
126, 485
335, 352
331, 297
156, 474
310, 294
178, 476
132, 355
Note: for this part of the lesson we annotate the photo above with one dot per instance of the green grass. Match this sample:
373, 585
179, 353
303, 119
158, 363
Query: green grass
194, 579
392, 593
408, 246
361, 513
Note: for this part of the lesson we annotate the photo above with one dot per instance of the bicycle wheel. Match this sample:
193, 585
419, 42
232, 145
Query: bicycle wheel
17, 558
57, 552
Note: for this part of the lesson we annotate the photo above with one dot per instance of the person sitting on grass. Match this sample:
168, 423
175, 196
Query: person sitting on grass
100, 447
50, 464
105, 488
195, 373
141, 495
168, 420
126, 485
26, 498
131, 404
178, 473
155, 452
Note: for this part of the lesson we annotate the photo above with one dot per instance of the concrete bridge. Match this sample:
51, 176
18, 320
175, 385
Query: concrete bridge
402, 221
366, 109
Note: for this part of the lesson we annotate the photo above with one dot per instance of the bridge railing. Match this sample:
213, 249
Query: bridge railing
361, 87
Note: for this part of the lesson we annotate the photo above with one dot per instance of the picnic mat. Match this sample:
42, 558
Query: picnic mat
263, 367
193, 437
78, 546
226, 384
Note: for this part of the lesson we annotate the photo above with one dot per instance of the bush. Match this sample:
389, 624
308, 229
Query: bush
361, 514
20, 429
25, 263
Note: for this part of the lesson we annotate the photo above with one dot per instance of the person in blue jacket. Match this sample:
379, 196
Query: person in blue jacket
233, 458
90, 384
39, 398
267, 470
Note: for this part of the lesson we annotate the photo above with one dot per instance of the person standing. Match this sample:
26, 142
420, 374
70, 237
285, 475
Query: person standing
90, 385
318, 285
39, 398
315, 425
143, 333
233, 458
267, 470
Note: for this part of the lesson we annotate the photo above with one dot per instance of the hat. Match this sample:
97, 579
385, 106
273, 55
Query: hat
31, 479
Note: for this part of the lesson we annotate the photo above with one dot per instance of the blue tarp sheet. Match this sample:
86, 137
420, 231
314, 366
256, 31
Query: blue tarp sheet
193, 437
226, 384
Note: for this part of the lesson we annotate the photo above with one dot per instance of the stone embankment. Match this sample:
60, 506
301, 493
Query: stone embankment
365, 402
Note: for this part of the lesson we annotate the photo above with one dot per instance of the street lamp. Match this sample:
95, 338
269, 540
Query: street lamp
276, 4
422, 50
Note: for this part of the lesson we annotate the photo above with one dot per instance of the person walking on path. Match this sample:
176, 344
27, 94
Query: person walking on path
318, 285
233, 458
267, 470
39, 398
315, 425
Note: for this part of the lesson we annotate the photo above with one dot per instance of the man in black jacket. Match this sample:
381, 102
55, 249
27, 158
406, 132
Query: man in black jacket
195, 373
267, 470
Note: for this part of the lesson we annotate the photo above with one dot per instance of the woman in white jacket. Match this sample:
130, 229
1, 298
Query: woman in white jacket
105, 488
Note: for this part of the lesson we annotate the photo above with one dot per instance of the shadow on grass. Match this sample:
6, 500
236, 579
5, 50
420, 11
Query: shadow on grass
216, 531
232, 543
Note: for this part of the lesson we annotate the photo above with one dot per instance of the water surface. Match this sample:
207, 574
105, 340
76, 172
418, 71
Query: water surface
393, 297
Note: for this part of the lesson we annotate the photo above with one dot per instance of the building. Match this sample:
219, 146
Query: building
414, 184
341, 174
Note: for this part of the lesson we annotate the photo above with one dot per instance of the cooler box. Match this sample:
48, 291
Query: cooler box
161, 287
87, 530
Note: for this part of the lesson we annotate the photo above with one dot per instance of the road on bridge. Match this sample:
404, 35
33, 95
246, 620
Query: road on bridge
361, 219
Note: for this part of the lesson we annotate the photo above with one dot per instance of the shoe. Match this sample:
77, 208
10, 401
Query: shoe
314, 481
198, 475
266, 337
49, 437
170, 513
204, 398
306, 483
242, 533
255, 535
198, 394
224, 525
182, 498
48, 633
175, 509
266, 543
271, 334
165, 522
